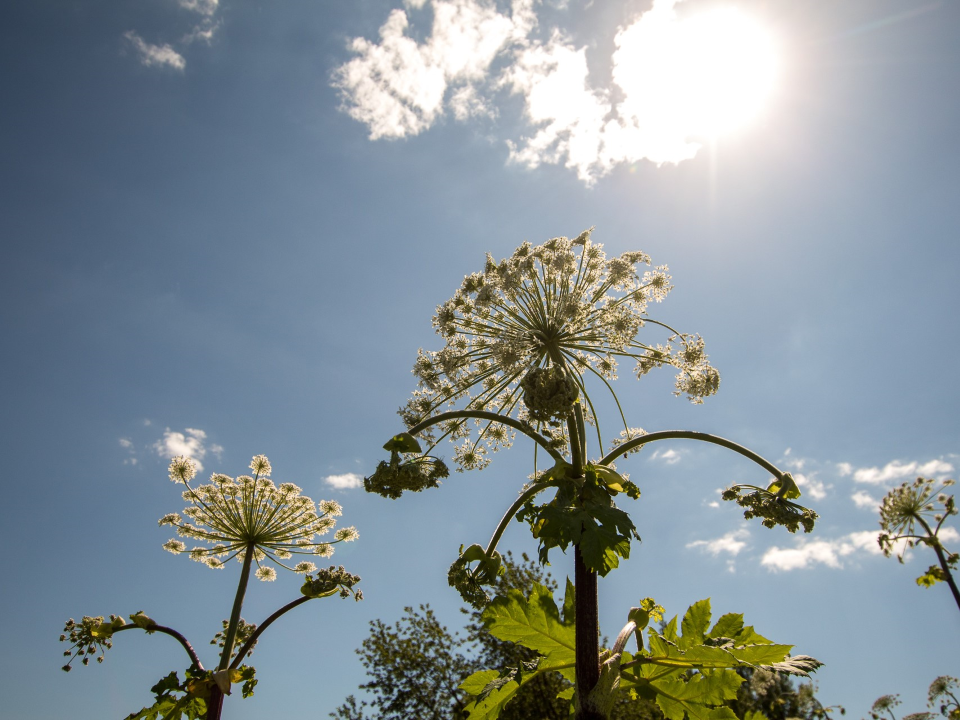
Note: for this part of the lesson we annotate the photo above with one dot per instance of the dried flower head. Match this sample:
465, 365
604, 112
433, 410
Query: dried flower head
231, 514
560, 306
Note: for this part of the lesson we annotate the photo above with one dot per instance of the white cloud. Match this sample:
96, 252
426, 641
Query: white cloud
896, 470
126, 443
347, 481
190, 443
203, 32
844, 469
155, 55
661, 92
670, 457
397, 86
865, 500
731, 543
808, 553
204, 7
811, 486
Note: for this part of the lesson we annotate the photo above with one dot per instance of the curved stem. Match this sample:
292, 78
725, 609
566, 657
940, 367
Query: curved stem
172, 633
242, 652
487, 415
512, 510
938, 549
691, 435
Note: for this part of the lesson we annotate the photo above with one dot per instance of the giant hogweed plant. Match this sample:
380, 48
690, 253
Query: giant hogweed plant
526, 343
261, 525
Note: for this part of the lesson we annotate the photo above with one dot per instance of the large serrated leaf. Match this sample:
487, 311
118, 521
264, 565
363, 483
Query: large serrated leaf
491, 706
727, 626
534, 623
476, 683
696, 695
695, 623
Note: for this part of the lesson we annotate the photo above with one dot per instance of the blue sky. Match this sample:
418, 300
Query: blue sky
226, 234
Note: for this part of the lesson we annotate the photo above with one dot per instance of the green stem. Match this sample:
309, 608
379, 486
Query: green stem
237, 606
512, 510
215, 700
691, 435
487, 415
576, 447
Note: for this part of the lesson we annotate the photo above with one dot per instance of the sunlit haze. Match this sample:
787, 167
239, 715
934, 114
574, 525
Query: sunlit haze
704, 74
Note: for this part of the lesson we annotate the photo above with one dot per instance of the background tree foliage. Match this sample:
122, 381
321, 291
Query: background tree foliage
416, 665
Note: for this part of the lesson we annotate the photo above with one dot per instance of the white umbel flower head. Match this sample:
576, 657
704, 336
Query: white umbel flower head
563, 306
230, 515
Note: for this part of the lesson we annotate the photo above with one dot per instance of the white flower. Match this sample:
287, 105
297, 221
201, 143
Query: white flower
229, 515
266, 574
561, 304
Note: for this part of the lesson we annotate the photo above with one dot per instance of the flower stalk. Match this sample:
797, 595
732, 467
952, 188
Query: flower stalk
525, 341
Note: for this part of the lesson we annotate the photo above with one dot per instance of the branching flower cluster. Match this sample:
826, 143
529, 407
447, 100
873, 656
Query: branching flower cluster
561, 306
232, 514
88, 637
773, 504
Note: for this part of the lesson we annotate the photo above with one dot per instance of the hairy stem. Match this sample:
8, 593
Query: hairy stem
493, 417
938, 549
172, 633
691, 435
513, 510
215, 701
587, 638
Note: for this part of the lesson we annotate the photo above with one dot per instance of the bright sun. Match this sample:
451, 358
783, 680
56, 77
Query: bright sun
703, 75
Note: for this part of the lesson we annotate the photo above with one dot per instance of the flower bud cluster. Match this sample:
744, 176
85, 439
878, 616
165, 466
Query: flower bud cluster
328, 580
774, 509
549, 393
88, 637
390, 479
244, 631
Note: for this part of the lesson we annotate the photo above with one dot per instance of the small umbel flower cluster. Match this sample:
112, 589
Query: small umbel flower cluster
773, 505
329, 581
88, 637
561, 306
245, 631
234, 514
921, 502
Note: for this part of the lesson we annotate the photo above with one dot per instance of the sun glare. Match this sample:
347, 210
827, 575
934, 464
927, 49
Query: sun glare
704, 75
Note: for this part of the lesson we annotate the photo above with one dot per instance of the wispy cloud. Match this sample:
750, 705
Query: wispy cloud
127, 444
896, 471
399, 87
191, 443
167, 55
731, 543
808, 553
204, 7
865, 500
346, 481
155, 55
670, 456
